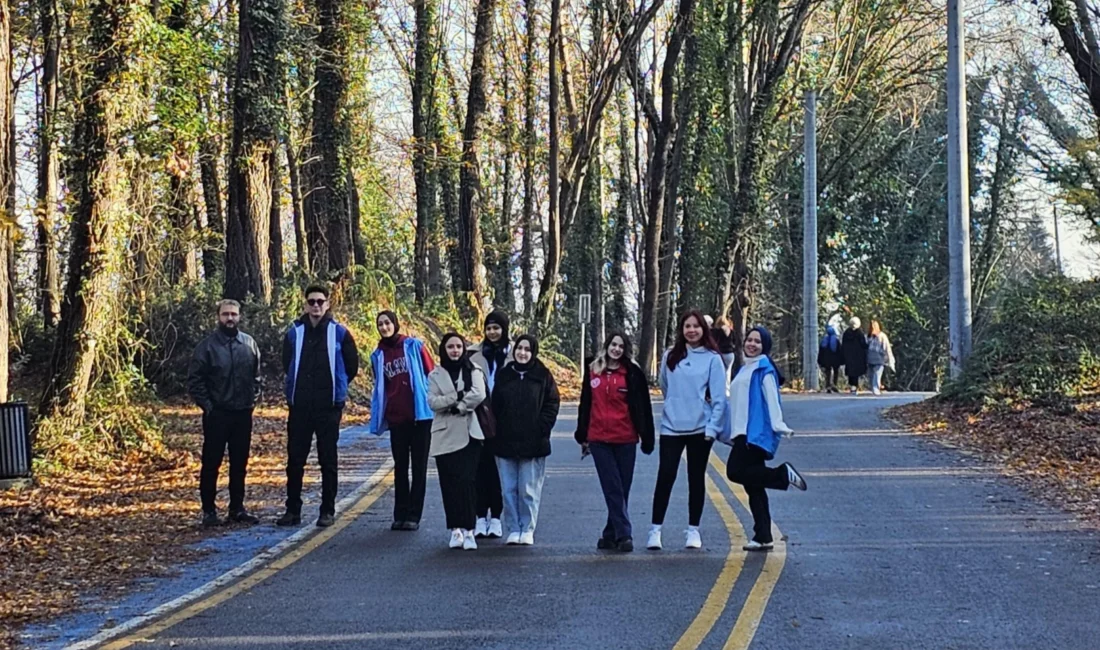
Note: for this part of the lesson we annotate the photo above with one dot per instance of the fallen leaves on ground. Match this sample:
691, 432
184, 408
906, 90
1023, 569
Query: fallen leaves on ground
1055, 453
91, 533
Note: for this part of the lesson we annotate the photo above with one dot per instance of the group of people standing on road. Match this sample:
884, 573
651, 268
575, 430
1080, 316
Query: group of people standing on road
486, 415
858, 353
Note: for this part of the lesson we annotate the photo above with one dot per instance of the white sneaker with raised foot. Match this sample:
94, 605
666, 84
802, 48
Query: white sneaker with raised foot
481, 529
527, 539
758, 546
692, 538
495, 529
795, 478
468, 541
513, 539
457, 538
654, 542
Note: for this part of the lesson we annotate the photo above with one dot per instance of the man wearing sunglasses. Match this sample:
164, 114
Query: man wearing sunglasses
224, 381
320, 360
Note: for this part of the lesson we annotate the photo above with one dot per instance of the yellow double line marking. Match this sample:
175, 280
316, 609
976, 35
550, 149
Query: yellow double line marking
748, 619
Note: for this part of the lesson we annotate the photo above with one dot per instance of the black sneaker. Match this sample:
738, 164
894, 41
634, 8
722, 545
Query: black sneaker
626, 546
605, 544
210, 520
326, 520
242, 516
289, 519
410, 525
397, 525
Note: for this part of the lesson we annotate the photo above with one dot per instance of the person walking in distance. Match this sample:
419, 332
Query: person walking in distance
854, 348
830, 359
723, 336
880, 355
224, 380
615, 413
693, 380
757, 425
494, 352
525, 404
400, 405
455, 389
320, 360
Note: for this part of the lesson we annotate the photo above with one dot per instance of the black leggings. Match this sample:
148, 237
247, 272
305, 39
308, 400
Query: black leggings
698, 453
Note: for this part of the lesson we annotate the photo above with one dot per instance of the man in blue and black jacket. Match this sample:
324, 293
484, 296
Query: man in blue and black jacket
320, 360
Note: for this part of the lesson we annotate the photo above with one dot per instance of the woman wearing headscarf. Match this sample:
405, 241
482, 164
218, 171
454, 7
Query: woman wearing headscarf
525, 403
854, 347
757, 426
455, 389
399, 405
493, 353
830, 359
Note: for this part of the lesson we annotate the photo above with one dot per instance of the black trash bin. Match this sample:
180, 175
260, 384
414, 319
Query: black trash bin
15, 441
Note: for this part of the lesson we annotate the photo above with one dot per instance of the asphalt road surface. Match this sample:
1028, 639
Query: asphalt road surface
898, 543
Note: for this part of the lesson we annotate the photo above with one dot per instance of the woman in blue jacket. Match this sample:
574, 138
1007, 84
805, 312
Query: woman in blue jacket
693, 380
757, 424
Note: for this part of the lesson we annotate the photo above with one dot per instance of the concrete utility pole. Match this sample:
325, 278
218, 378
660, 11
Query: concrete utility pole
958, 191
1057, 243
809, 248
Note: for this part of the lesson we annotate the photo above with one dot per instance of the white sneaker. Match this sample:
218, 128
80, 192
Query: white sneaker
457, 538
482, 527
693, 540
654, 543
527, 539
513, 539
468, 541
758, 546
495, 530
795, 478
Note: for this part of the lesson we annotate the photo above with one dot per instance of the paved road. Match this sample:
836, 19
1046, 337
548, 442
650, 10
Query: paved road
898, 544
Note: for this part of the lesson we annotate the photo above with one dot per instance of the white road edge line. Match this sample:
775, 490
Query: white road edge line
233, 574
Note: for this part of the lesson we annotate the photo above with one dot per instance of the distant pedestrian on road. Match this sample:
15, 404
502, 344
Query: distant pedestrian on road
455, 389
320, 360
854, 346
400, 405
693, 380
494, 352
615, 413
525, 402
830, 358
880, 355
723, 336
757, 425
224, 380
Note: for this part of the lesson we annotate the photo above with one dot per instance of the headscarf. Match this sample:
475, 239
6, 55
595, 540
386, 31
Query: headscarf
524, 367
831, 340
766, 350
496, 353
454, 368
396, 326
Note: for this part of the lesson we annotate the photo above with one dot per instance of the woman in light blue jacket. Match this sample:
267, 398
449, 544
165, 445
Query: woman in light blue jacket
693, 380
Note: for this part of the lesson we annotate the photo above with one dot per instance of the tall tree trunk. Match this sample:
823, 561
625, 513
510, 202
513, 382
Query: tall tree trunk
502, 266
469, 217
327, 197
358, 246
48, 276
275, 220
527, 245
84, 309
424, 112
258, 88
620, 245
7, 188
548, 286
210, 152
181, 263
301, 247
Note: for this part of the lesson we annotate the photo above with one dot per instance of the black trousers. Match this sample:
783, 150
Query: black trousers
458, 484
219, 430
305, 422
489, 498
410, 444
832, 376
747, 467
853, 380
672, 449
615, 467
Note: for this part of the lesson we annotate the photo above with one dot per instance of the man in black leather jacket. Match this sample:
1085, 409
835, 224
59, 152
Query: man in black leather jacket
224, 380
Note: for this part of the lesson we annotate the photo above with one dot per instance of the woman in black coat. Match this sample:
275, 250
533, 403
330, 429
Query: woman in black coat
525, 403
854, 346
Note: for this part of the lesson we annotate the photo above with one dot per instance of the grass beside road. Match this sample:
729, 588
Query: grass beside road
1053, 452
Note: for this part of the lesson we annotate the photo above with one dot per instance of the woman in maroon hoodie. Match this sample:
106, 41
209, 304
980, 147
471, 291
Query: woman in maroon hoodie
615, 413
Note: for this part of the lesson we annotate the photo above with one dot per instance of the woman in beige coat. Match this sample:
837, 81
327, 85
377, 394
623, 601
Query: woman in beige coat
455, 389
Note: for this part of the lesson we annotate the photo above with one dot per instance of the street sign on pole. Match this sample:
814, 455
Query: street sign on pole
584, 316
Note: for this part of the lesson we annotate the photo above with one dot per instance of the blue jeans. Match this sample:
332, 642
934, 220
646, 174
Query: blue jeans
521, 486
876, 379
615, 467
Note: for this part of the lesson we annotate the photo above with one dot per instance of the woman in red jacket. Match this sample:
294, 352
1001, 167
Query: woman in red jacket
615, 413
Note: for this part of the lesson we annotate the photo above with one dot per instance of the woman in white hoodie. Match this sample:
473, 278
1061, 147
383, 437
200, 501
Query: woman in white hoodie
693, 380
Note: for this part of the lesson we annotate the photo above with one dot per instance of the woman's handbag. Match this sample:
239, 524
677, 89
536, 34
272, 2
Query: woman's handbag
486, 420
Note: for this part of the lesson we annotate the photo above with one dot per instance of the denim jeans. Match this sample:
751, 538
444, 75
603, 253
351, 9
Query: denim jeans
615, 467
521, 486
876, 379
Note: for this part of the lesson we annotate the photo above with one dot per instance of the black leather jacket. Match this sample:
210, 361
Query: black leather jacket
225, 372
